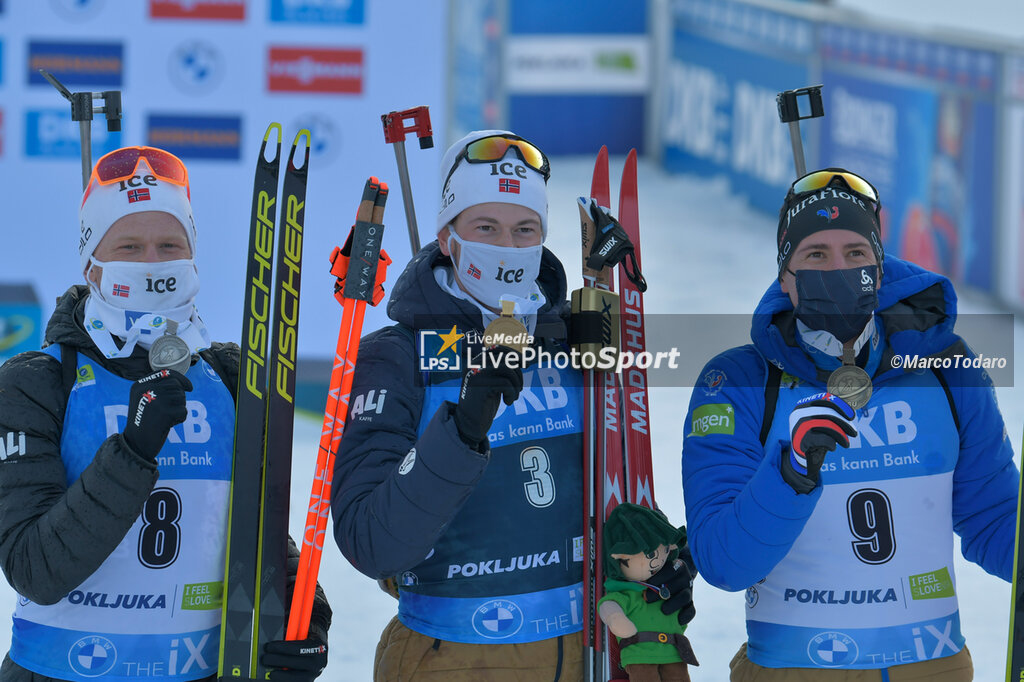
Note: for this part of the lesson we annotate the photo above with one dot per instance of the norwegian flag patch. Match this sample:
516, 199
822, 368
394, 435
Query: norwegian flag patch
121, 290
474, 271
138, 195
508, 185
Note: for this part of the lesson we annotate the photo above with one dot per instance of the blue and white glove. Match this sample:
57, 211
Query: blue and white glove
817, 425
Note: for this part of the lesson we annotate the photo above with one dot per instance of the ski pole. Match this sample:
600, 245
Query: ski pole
82, 111
789, 113
358, 262
394, 133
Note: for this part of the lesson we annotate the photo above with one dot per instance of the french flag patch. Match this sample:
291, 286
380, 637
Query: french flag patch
508, 185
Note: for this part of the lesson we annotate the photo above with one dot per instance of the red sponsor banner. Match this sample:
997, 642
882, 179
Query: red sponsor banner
232, 10
304, 69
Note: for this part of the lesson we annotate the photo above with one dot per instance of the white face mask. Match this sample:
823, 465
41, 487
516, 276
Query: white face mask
486, 271
147, 287
134, 301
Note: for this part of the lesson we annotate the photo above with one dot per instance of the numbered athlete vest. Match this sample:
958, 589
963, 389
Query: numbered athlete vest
152, 609
869, 582
509, 566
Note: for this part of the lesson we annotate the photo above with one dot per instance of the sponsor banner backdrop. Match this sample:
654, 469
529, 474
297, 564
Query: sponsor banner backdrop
1011, 287
917, 119
577, 80
474, 67
204, 78
727, 62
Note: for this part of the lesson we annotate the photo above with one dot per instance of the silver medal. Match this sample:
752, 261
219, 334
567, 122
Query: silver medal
852, 384
170, 351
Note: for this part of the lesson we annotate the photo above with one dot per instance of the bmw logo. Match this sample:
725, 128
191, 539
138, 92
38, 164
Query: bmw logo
832, 649
497, 619
92, 656
196, 67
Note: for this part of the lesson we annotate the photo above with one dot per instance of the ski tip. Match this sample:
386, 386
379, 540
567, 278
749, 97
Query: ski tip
306, 144
274, 126
382, 195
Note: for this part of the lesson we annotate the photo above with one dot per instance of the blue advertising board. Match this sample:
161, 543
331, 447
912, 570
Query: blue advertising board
578, 80
924, 138
51, 133
318, 11
727, 63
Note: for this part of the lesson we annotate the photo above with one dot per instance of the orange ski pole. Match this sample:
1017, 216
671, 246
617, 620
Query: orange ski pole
368, 269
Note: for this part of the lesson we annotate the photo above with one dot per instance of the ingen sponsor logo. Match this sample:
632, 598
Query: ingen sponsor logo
304, 69
92, 64
318, 11
196, 137
228, 10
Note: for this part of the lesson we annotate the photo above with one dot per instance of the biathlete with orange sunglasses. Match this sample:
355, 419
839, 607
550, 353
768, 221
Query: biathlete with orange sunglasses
114, 485
827, 465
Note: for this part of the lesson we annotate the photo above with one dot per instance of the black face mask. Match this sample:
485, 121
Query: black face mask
837, 301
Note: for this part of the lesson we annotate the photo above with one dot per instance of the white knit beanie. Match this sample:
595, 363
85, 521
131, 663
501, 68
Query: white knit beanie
103, 205
478, 183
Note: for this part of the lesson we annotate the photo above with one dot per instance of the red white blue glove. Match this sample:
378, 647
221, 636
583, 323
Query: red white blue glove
817, 425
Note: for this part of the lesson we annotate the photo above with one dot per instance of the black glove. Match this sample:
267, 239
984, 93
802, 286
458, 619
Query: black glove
675, 580
155, 404
490, 380
304, 660
817, 424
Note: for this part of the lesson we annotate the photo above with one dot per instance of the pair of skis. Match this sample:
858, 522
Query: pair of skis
254, 582
617, 464
254, 598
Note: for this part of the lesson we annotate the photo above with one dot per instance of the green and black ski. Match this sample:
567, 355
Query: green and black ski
253, 610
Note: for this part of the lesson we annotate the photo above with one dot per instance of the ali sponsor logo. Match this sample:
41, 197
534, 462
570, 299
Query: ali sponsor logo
371, 402
304, 69
13, 445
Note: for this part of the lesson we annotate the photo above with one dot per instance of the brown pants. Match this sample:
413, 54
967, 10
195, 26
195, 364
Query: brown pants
407, 656
956, 668
669, 672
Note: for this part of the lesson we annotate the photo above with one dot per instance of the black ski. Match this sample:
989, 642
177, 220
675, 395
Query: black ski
277, 459
236, 634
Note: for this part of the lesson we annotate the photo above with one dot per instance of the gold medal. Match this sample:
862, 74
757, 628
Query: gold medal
170, 351
506, 330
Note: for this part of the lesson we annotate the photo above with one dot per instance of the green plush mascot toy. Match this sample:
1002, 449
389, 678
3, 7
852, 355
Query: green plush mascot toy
648, 594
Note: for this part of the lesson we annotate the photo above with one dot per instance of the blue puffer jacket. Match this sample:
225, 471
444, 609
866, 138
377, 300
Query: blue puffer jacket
386, 522
743, 519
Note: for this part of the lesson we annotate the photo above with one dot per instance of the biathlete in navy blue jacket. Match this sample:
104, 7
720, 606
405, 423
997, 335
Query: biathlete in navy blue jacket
466, 484
837, 516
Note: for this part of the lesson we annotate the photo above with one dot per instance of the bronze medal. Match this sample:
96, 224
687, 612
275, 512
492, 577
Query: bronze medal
852, 384
170, 351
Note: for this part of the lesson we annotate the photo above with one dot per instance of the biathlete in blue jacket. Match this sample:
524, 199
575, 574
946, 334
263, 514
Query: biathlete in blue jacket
836, 516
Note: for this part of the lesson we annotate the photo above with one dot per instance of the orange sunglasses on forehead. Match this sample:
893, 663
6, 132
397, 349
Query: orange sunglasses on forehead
122, 164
